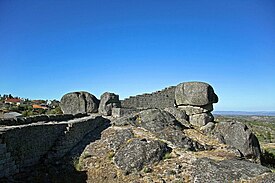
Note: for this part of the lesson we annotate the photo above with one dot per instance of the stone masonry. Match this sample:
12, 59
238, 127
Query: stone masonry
160, 99
25, 145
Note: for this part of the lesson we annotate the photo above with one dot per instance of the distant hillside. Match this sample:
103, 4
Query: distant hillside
245, 113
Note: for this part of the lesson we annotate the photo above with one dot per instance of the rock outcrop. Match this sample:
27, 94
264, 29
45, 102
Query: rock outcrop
196, 99
239, 136
79, 102
201, 119
164, 126
136, 154
180, 115
208, 171
180, 143
153, 146
195, 94
108, 101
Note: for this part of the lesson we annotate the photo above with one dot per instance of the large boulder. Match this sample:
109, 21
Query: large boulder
195, 93
180, 115
79, 102
108, 101
156, 120
118, 137
200, 119
239, 136
211, 171
138, 153
207, 129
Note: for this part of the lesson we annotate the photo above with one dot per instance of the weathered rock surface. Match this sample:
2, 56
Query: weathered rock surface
138, 153
79, 102
152, 146
120, 112
163, 125
207, 170
264, 178
208, 128
200, 119
153, 120
191, 110
239, 136
119, 137
179, 139
156, 120
180, 115
108, 101
195, 93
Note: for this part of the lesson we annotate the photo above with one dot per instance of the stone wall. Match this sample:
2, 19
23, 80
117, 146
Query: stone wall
26, 145
160, 99
44, 118
75, 131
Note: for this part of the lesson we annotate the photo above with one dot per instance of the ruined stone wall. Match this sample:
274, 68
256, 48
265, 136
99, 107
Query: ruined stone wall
25, 145
160, 99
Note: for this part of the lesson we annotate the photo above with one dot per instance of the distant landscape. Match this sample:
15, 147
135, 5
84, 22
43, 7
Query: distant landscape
245, 113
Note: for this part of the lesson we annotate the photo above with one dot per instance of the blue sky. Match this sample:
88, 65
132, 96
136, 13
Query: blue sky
49, 48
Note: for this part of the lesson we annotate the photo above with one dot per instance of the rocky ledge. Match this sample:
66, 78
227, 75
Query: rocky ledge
153, 146
180, 143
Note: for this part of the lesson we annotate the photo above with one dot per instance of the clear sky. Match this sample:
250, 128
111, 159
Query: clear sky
51, 47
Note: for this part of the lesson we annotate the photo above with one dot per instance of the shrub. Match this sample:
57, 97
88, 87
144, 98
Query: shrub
147, 170
268, 159
167, 155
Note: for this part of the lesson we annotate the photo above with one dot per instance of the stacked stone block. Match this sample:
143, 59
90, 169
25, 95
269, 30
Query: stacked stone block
196, 99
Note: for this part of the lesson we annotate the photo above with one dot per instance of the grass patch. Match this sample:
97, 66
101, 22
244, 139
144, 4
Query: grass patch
167, 155
77, 163
147, 170
111, 154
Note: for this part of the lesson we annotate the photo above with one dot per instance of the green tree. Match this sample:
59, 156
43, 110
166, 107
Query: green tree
56, 110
